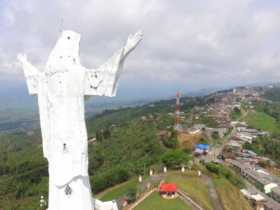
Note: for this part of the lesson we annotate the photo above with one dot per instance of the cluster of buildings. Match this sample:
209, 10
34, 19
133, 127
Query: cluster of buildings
245, 134
221, 108
266, 190
223, 102
241, 134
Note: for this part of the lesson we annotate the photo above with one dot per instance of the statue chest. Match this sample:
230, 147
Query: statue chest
65, 83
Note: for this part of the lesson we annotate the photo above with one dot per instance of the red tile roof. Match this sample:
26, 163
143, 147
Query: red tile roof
168, 188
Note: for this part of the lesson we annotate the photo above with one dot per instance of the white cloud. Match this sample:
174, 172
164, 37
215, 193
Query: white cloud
187, 41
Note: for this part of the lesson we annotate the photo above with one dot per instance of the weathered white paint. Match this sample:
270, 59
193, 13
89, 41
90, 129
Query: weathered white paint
61, 88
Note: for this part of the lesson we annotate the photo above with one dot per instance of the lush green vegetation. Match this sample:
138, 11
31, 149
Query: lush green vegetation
118, 191
271, 109
23, 172
127, 145
225, 172
172, 141
262, 121
272, 94
208, 121
155, 202
230, 195
267, 118
267, 146
125, 153
196, 188
175, 158
235, 114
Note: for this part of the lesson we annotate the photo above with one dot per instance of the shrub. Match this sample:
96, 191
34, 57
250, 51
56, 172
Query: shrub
215, 135
131, 195
170, 143
175, 158
109, 178
221, 170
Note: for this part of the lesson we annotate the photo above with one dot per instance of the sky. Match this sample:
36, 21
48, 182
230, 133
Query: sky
188, 45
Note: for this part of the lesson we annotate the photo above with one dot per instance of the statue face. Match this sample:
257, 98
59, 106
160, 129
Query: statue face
65, 53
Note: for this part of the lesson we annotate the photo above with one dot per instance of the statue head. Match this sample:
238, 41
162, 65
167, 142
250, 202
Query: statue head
65, 52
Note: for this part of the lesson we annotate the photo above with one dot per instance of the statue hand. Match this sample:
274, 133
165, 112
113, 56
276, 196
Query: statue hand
22, 58
133, 41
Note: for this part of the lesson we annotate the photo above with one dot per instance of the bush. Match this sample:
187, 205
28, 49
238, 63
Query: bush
221, 170
109, 178
175, 158
215, 135
212, 167
131, 195
235, 114
170, 143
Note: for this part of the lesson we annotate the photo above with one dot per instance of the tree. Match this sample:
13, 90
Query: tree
170, 142
215, 135
175, 158
235, 114
99, 136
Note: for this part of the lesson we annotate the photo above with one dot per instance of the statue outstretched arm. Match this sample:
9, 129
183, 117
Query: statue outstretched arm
103, 81
31, 74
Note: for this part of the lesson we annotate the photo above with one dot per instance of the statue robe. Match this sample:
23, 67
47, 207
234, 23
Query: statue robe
61, 89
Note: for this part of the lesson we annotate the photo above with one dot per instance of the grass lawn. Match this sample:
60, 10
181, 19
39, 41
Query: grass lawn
117, 191
193, 186
262, 121
230, 196
8, 203
155, 202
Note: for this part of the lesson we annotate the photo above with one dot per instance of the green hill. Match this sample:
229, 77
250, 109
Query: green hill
197, 188
127, 144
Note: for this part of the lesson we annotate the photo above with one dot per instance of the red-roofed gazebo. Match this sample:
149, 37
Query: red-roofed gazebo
168, 190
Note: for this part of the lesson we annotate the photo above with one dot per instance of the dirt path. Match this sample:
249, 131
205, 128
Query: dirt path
189, 201
143, 197
215, 200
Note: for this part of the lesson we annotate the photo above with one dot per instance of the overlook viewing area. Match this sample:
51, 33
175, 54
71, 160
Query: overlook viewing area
193, 192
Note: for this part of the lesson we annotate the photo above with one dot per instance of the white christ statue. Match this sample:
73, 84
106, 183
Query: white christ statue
61, 88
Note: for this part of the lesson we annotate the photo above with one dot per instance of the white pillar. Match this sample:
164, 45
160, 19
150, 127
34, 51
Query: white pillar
183, 169
42, 202
140, 179
151, 172
164, 169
